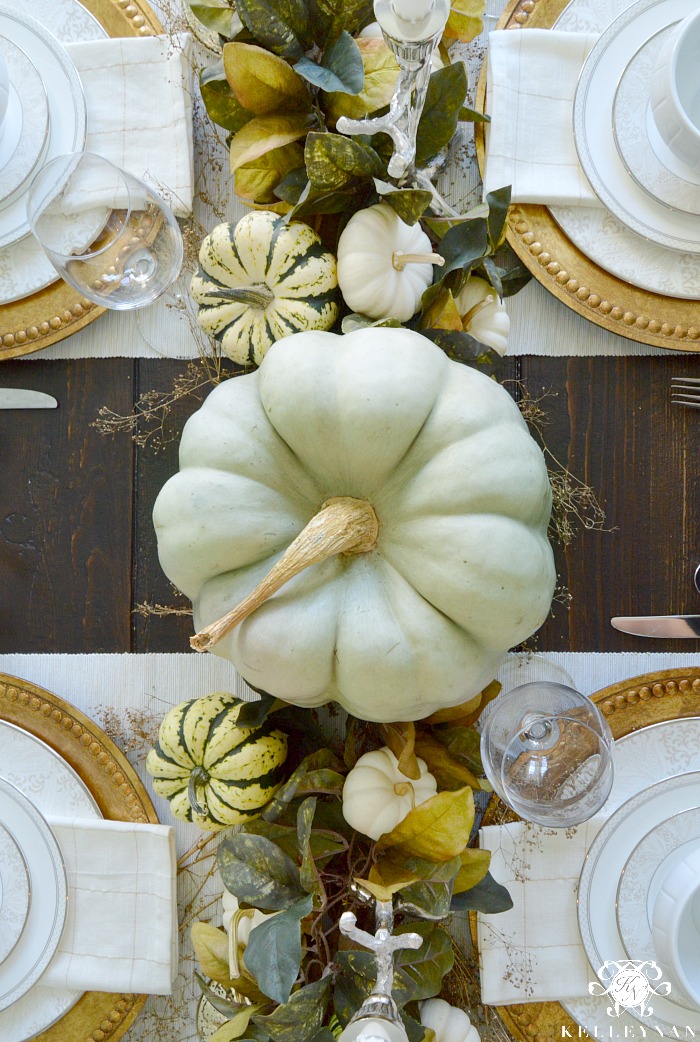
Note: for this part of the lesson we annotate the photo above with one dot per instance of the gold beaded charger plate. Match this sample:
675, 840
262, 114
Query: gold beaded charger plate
627, 706
119, 795
55, 312
565, 270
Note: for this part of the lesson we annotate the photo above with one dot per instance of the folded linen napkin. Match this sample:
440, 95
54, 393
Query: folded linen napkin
138, 93
121, 927
533, 953
531, 82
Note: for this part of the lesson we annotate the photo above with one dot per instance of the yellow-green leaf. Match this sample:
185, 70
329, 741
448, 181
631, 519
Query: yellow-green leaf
465, 21
437, 830
449, 773
237, 1026
455, 713
442, 313
381, 70
257, 180
385, 881
263, 134
401, 739
211, 948
263, 82
475, 865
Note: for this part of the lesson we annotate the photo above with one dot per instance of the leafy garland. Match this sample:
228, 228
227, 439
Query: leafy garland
288, 71
297, 977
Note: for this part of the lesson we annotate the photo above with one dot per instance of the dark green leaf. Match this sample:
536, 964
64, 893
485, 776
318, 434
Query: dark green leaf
323, 202
467, 115
464, 743
325, 782
219, 16
498, 203
492, 274
332, 160
221, 103
324, 1035
356, 976
447, 90
256, 871
513, 280
426, 900
409, 203
461, 347
487, 896
254, 714
319, 759
419, 973
414, 1030
279, 25
301, 1017
464, 245
273, 952
308, 874
331, 17
291, 186
324, 843
344, 61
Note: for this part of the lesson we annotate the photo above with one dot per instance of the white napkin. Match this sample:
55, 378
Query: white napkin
533, 953
121, 927
531, 82
138, 93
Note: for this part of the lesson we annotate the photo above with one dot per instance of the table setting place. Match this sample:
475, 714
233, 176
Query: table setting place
337, 572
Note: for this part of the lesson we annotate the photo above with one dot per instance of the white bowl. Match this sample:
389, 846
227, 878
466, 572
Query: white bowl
676, 926
674, 98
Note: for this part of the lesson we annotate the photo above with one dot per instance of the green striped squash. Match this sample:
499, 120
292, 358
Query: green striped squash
261, 280
212, 771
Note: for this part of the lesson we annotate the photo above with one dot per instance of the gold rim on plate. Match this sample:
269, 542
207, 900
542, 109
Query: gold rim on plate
57, 311
571, 276
97, 1016
670, 694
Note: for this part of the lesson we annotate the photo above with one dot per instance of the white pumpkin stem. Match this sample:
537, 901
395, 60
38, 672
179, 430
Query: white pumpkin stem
470, 315
400, 259
234, 966
343, 525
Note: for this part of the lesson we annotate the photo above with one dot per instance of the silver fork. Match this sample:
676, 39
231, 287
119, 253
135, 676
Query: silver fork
685, 390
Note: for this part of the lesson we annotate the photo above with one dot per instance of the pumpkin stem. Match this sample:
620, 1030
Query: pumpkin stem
234, 966
468, 318
400, 259
403, 788
198, 779
257, 296
343, 525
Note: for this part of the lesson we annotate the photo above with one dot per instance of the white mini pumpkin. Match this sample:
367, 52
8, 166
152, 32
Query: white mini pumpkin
384, 264
458, 571
261, 280
483, 314
449, 1023
377, 795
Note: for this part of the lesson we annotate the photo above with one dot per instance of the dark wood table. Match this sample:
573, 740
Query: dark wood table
78, 551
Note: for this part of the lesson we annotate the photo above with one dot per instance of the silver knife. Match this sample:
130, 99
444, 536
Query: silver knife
18, 398
670, 626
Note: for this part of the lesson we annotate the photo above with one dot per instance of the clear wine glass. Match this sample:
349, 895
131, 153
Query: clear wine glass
106, 232
547, 751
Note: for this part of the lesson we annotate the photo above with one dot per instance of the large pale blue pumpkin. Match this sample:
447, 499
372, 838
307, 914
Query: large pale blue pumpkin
460, 569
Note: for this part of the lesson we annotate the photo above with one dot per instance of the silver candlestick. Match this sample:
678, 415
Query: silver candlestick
378, 1018
412, 29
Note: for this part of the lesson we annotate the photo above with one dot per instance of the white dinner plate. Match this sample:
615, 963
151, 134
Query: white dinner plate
14, 892
594, 230
67, 109
598, 887
55, 788
594, 127
47, 910
24, 267
631, 114
652, 754
21, 156
643, 875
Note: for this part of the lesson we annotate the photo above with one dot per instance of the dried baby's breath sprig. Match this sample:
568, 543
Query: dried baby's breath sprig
146, 610
133, 730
